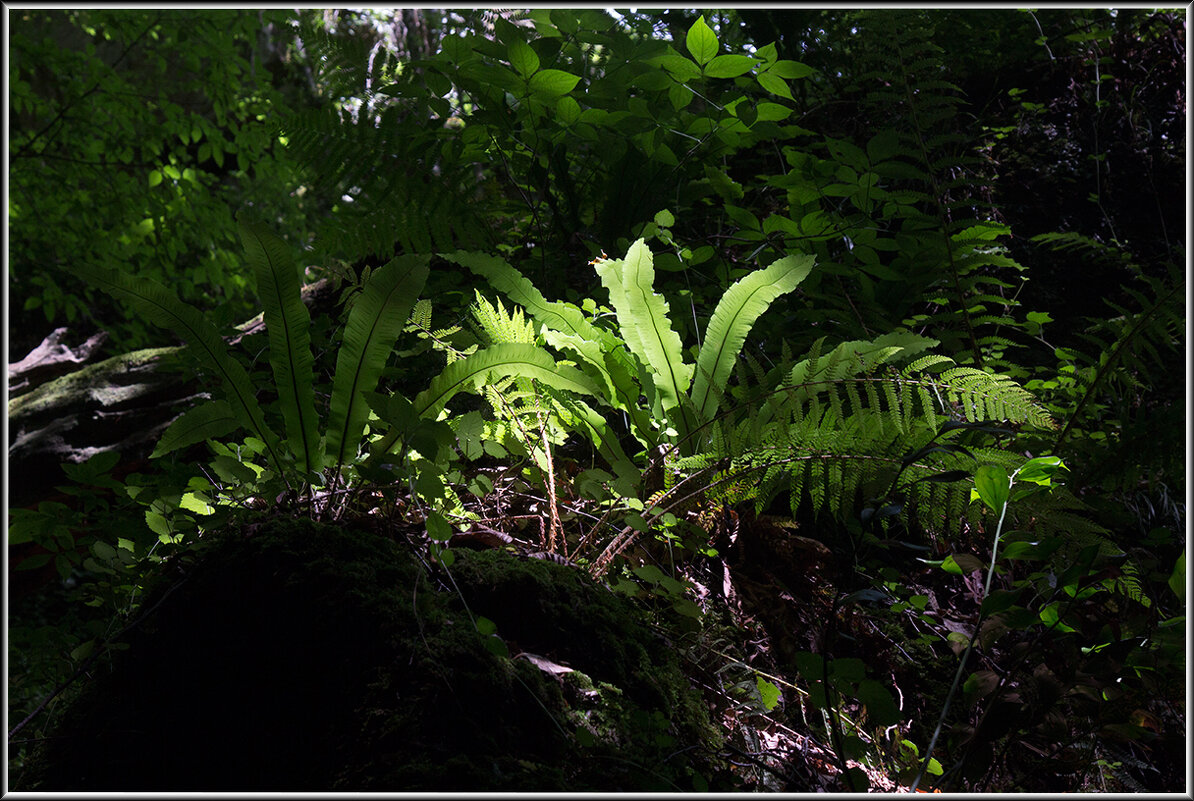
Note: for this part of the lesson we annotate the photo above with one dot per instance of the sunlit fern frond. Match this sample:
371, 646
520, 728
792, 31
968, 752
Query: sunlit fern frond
496, 324
838, 430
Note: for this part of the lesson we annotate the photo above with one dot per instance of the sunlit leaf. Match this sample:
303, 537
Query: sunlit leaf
701, 41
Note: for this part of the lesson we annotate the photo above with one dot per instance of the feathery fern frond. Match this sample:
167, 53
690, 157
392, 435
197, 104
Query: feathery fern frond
601, 354
1137, 351
498, 325
838, 431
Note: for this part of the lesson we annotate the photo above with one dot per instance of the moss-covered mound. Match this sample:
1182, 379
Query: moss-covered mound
309, 657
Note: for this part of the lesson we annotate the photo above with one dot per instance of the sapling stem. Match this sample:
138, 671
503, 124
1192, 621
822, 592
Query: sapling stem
977, 626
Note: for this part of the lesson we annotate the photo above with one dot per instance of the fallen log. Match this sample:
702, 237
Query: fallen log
59, 411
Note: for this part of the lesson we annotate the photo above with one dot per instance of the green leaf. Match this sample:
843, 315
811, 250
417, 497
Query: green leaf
810, 666
961, 564
288, 323
701, 41
790, 70
1177, 579
848, 669
377, 318
681, 69
553, 82
851, 358
506, 279
603, 354
1021, 550
773, 111
880, 707
1040, 470
567, 110
729, 66
883, 145
665, 219
679, 96
157, 523
505, 359
438, 527
565, 20
768, 693
83, 651
195, 502
736, 313
523, 58
643, 319
606, 440
162, 307
774, 84
496, 646
993, 486
208, 421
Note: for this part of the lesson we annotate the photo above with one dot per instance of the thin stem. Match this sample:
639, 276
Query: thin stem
953, 688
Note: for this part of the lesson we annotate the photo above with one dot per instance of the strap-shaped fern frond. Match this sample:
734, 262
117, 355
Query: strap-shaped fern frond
162, 307
563, 317
373, 326
647, 329
206, 421
507, 359
287, 322
735, 315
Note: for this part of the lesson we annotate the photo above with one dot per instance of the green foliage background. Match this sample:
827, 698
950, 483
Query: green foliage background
992, 200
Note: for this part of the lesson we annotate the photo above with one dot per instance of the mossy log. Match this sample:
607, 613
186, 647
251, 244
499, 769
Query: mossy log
307, 657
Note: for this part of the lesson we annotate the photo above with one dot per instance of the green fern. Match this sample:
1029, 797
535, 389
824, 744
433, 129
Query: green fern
162, 307
949, 241
373, 326
833, 429
396, 186
498, 325
288, 323
836, 433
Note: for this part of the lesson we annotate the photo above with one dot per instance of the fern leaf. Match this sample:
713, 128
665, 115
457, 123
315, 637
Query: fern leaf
606, 442
162, 307
204, 422
643, 318
565, 327
287, 322
735, 315
514, 285
507, 359
376, 320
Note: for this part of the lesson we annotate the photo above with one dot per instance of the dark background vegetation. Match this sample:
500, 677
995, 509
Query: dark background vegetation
137, 136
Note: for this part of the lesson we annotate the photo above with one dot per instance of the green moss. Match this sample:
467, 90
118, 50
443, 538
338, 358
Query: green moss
93, 380
310, 657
